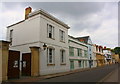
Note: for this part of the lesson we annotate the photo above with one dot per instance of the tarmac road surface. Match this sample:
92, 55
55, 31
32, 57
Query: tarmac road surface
93, 75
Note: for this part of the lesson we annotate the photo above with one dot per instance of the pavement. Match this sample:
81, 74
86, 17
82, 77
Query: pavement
111, 77
38, 78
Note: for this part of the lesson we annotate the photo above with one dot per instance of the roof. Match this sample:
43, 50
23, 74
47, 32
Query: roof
4, 41
73, 39
85, 38
46, 14
15, 23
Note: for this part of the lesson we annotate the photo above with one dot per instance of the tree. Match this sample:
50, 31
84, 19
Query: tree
117, 51
112, 50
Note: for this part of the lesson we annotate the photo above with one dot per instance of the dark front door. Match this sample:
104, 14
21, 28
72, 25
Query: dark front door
13, 64
26, 64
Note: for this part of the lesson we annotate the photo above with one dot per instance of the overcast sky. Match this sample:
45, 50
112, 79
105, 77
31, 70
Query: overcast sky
99, 20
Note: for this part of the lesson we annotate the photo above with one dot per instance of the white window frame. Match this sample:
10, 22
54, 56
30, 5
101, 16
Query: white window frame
79, 50
48, 55
62, 35
11, 36
62, 56
52, 31
71, 51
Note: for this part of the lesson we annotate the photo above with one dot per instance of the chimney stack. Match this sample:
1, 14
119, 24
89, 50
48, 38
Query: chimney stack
27, 11
104, 47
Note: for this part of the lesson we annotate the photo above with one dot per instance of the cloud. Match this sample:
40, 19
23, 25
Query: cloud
102, 26
8, 17
67, 8
85, 18
107, 34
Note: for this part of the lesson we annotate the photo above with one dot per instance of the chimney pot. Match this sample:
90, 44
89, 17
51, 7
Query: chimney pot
27, 11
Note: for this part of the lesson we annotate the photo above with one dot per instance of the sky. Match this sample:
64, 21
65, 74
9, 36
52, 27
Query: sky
99, 20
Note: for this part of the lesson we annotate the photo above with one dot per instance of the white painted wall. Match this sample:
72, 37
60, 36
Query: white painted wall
54, 43
25, 32
58, 67
107, 52
94, 56
43, 32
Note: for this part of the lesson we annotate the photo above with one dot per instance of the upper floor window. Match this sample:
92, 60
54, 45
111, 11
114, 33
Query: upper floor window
99, 49
79, 52
96, 48
62, 36
50, 30
50, 52
11, 36
62, 56
90, 49
85, 53
71, 51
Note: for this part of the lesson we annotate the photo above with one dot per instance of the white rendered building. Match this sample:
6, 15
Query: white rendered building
39, 28
78, 54
108, 55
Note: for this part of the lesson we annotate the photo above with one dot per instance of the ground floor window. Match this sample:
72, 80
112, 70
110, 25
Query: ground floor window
50, 55
79, 63
71, 65
62, 56
86, 63
92, 63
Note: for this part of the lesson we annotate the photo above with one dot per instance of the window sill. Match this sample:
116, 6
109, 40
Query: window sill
71, 55
63, 64
62, 41
50, 64
51, 38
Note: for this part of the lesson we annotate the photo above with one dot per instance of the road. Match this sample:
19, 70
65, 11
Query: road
93, 75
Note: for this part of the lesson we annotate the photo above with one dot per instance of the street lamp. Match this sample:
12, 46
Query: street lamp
44, 46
